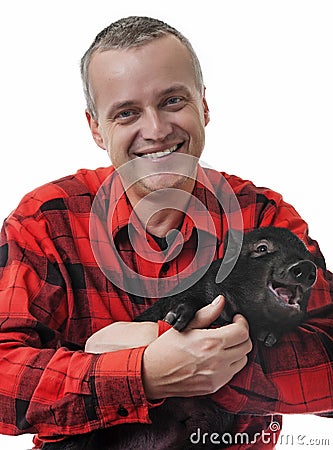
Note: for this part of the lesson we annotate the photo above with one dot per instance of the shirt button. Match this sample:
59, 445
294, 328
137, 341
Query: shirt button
122, 411
165, 267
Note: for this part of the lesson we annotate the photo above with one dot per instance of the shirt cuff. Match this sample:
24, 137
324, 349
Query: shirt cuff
116, 385
163, 327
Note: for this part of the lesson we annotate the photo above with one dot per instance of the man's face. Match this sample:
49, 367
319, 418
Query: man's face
149, 107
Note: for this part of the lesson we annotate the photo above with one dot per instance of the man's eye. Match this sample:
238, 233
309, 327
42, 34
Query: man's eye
175, 101
125, 115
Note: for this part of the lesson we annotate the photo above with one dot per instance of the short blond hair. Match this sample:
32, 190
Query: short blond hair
130, 32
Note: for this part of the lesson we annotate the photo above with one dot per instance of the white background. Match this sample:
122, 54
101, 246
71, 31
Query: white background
268, 69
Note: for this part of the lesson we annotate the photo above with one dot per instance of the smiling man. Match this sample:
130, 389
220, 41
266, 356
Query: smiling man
148, 103
82, 256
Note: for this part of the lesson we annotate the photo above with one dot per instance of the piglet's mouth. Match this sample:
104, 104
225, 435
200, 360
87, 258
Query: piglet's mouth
287, 295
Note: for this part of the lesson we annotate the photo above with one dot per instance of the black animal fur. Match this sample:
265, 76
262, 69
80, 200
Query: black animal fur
270, 285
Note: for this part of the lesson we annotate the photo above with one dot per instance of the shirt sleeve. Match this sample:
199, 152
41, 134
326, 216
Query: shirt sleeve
296, 375
47, 387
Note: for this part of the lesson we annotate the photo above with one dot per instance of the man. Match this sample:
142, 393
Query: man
96, 248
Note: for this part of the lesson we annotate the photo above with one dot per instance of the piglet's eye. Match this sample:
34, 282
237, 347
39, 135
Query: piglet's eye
262, 248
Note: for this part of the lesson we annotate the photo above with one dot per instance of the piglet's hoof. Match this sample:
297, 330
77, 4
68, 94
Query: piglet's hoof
170, 318
180, 316
269, 339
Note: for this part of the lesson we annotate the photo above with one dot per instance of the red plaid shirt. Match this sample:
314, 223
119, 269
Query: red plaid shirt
53, 296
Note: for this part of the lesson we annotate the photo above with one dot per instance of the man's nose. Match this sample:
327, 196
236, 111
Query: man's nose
155, 125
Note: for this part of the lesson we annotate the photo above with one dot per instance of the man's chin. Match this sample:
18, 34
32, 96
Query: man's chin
157, 182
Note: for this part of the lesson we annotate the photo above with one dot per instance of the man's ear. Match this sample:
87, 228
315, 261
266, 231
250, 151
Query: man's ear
94, 128
206, 109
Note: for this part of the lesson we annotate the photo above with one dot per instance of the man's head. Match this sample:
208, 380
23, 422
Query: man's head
127, 33
145, 101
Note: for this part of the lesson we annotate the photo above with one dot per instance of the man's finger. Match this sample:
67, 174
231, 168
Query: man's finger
238, 318
208, 314
236, 333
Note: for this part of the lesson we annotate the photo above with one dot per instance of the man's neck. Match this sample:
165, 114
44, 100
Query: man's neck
161, 211
160, 224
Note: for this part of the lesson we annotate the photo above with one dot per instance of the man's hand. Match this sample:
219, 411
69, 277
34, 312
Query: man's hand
196, 361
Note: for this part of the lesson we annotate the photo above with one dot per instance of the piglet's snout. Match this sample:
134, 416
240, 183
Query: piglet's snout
303, 272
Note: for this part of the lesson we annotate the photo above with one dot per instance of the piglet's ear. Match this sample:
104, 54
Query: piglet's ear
232, 248
233, 238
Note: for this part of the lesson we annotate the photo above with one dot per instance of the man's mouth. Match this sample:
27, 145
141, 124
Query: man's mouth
161, 154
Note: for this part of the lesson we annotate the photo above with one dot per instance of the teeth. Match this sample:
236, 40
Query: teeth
157, 155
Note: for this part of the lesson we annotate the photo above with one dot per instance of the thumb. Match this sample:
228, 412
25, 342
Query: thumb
205, 316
